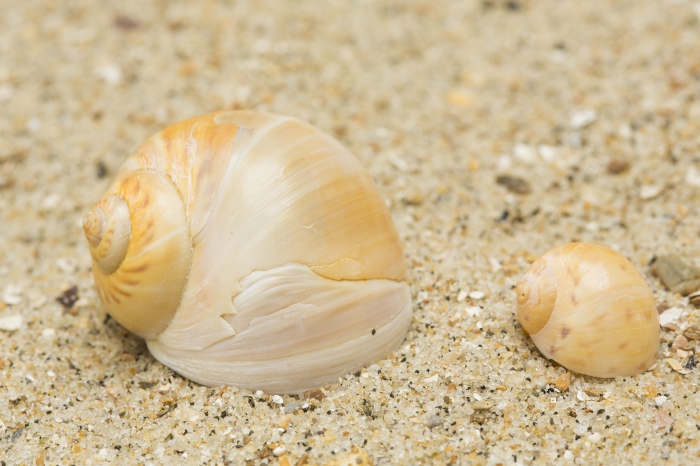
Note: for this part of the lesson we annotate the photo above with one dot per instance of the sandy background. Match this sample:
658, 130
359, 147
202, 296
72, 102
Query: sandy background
595, 106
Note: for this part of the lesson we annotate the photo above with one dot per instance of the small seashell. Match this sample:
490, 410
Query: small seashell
11, 323
588, 308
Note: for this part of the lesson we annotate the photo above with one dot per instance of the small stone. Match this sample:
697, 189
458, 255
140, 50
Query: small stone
670, 317
680, 342
477, 418
48, 333
477, 295
68, 298
677, 275
12, 295
279, 450
514, 184
693, 333
694, 299
525, 153
623, 420
433, 421
292, 406
277, 399
316, 393
617, 166
548, 153
568, 455
563, 381
110, 73
461, 296
662, 419
676, 366
583, 118
692, 177
77, 449
581, 396
482, 405
473, 311
10, 323
284, 422
659, 400
650, 192
594, 438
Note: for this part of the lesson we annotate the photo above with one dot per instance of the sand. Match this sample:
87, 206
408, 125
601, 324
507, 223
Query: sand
495, 130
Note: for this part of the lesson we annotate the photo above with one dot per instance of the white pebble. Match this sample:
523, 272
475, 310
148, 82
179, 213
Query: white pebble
548, 153
594, 438
277, 399
477, 295
693, 177
12, 295
525, 153
581, 396
51, 373
503, 163
659, 400
434, 378
477, 397
48, 332
11, 323
568, 455
51, 201
473, 311
670, 316
461, 296
111, 73
650, 191
583, 118
279, 450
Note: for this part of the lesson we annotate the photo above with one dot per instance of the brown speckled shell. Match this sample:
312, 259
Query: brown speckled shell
603, 321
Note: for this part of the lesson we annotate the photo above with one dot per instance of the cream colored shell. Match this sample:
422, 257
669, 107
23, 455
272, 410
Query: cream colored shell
250, 249
589, 309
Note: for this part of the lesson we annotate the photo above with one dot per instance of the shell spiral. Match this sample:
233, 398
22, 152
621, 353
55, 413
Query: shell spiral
588, 308
250, 249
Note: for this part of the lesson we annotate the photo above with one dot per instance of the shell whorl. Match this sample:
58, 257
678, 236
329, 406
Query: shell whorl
536, 295
108, 230
140, 245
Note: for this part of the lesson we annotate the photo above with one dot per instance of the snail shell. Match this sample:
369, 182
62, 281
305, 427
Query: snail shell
253, 250
589, 309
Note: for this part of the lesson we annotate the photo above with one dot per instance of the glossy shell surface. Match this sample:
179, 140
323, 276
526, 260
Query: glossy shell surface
588, 308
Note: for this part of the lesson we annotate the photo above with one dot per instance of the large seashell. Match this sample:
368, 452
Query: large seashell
589, 309
250, 249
